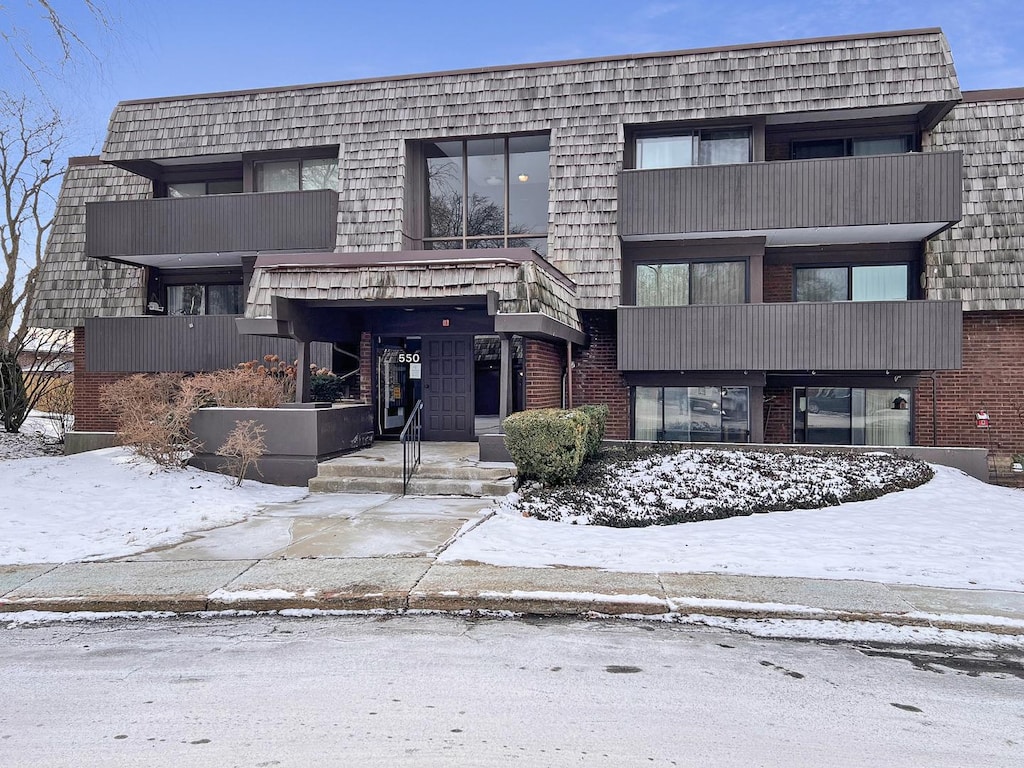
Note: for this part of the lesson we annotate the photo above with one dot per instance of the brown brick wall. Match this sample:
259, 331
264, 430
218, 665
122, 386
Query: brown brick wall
778, 283
778, 415
543, 371
90, 415
366, 367
596, 379
992, 378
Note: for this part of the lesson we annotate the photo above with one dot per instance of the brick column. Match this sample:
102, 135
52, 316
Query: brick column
596, 378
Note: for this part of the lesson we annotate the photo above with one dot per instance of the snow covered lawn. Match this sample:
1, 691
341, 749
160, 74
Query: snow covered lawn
106, 504
953, 531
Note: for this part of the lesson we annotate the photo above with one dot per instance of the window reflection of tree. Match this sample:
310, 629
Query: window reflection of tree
481, 217
662, 284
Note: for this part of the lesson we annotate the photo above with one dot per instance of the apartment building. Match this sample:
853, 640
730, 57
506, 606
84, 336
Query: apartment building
811, 241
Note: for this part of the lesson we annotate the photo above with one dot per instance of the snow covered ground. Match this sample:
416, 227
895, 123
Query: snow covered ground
106, 504
954, 531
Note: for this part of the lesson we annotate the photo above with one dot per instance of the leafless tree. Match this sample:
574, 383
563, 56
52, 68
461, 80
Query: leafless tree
31, 138
32, 54
33, 367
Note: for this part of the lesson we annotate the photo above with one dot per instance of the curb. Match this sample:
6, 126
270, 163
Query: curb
526, 603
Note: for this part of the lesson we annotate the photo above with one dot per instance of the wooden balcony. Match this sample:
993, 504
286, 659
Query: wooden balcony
921, 192
262, 221
187, 343
798, 336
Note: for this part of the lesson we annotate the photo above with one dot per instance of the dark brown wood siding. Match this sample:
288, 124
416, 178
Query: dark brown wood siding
833, 192
263, 221
183, 343
805, 336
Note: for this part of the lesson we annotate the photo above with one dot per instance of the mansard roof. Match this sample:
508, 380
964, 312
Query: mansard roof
72, 287
980, 260
881, 69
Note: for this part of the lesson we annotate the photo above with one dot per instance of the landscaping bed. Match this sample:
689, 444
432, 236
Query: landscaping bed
634, 487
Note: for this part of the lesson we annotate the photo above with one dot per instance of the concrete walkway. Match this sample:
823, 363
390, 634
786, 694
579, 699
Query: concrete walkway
368, 552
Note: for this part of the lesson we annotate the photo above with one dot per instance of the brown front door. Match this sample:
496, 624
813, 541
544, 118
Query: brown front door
448, 388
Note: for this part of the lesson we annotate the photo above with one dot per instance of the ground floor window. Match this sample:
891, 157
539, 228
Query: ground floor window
692, 414
851, 416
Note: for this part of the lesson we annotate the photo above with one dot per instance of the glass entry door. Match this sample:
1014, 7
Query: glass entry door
398, 383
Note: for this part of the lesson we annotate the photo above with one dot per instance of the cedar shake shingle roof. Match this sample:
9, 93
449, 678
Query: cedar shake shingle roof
72, 287
980, 260
584, 105
521, 287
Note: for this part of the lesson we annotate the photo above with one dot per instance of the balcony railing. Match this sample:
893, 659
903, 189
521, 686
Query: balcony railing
917, 188
263, 221
188, 343
798, 336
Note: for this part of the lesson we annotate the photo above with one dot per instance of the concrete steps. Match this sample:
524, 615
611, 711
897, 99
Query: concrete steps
418, 486
447, 469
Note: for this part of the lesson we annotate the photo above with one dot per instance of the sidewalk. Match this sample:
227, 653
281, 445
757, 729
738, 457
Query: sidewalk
400, 584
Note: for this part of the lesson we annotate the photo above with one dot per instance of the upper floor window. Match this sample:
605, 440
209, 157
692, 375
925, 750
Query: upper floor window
200, 188
294, 175
881, 282
679, 284
205, 299
876, 145
696, 147
487, 193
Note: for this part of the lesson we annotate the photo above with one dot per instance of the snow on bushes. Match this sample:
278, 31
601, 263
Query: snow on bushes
635, 487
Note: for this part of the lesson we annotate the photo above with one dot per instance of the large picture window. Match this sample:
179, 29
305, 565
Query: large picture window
202, 299
487, 193
881, 282
201, 188
696, 147
295, 175
851, 416
878, 145
673, 285
692, 414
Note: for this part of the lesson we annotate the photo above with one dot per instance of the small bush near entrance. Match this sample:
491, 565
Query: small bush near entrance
237, 388
326, 387
243, 449
548, 445
153, 417
637, 486
598, 419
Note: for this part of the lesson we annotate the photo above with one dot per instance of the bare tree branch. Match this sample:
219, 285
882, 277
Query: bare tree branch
70, 41
30, 140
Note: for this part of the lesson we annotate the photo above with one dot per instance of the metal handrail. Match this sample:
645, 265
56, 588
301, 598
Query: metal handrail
411, 439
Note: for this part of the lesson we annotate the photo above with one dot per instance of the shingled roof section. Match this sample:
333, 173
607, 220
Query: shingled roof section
72, 287
980, 261
521, 287
584, 105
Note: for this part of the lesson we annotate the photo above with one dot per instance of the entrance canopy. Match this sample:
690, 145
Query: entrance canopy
525, 294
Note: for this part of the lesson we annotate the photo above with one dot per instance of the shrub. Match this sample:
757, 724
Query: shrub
57, 398
548, 445
243, 448
326, 387
153, 414
238, 388
14, 397
598, 420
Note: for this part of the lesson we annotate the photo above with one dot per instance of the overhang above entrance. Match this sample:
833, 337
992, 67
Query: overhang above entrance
524, 293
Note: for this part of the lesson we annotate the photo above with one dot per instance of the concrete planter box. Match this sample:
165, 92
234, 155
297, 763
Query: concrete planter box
297, 438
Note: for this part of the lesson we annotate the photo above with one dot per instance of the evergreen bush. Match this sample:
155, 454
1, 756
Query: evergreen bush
548, 445
598, 420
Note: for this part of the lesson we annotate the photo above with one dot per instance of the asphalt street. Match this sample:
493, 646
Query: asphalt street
453, 691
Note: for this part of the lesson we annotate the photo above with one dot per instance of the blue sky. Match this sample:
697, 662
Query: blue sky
191, 46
